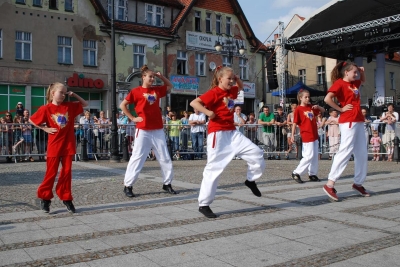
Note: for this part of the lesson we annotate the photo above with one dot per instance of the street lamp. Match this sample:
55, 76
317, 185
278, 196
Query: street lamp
114, 157
231, 45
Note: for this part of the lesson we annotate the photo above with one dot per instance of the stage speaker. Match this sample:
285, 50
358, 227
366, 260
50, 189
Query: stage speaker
271, 71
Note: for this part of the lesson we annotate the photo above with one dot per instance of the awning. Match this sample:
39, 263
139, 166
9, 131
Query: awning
292, 91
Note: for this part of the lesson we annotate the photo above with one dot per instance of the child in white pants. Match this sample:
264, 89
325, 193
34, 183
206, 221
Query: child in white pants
149, 132
305, 116
351, 123
223, 140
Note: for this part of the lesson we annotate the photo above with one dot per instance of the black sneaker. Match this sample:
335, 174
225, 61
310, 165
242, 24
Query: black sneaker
70, 206
45, 205
297, 178
207, 212
168, 188
128, 191
253, 187
314, 178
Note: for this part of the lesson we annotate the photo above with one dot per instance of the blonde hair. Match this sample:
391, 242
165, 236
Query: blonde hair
218, 73
52, 87
340, 69
300, 94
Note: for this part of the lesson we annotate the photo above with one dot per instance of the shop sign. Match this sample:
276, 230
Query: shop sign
17, 90
249, 90
80, 81
185, 84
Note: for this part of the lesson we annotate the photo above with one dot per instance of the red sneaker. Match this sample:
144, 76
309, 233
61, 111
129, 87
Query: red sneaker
360, 190
331, 192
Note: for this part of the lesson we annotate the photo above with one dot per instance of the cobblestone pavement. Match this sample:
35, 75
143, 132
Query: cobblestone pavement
290, 225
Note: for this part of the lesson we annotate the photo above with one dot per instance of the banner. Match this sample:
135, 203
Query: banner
185, 84
249, 90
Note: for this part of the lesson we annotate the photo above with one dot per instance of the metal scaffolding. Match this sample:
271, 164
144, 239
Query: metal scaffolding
280, 64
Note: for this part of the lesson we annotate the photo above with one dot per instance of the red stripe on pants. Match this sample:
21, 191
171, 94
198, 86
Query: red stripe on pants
64, 184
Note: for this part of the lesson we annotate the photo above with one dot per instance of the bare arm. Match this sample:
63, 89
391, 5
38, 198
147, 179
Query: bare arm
198, 104
46, 129
329, 100
166, 82
83, 102
126, 111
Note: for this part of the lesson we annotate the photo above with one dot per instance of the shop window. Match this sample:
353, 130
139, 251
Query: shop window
64, 53
23, 45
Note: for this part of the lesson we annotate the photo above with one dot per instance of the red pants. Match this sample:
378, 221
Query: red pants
63, 188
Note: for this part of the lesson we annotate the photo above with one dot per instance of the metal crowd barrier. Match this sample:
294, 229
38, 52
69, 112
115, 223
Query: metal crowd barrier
24, 142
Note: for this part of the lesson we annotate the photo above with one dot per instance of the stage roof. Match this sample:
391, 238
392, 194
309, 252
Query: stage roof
349, 28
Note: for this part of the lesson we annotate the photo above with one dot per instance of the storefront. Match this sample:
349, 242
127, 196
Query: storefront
33, 97
185, 90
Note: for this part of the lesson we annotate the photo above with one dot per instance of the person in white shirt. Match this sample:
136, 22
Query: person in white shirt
239, 119
197, 122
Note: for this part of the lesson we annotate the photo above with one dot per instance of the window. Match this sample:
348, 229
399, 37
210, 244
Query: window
197, 21
138, 56
244, 74
53, 4
320, 74
181, 62
37, 3
68, 5
64, 53
200, 64
302, 76
218, 24
1, 43
89, 53
228, 26
208, 22
391, 75
20, 2
23, 45
154, 15
225, 61
119, 11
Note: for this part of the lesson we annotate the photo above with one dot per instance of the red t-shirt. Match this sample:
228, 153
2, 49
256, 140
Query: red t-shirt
61, 143
348, 93
305, 118
221, 103
147, 105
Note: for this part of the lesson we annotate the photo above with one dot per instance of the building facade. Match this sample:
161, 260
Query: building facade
42, 42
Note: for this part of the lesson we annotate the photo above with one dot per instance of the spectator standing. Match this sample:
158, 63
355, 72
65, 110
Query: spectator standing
9, 121
59, 118
321, 133
19, 109
252, 128
293, 107
389, 118
27, 135
239, 119
18, 139
3, 136
267, 120
149, 129
173, 133
87, 124
197, 121
376, 144
185, 130
41, 139
333, 132
280, 131
367, 124
104, 129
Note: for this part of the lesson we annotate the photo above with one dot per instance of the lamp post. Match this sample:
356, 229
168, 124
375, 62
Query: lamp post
231, 45
114, 157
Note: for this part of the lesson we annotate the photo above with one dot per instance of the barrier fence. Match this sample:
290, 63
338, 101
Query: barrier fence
24, 142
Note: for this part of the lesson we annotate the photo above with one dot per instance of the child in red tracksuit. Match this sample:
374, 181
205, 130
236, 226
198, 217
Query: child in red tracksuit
59, 119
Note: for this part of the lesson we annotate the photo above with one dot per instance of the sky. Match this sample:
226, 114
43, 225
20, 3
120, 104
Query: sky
264, 15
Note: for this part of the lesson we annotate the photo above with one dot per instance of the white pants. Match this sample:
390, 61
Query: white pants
222, 146
310, 159
352, 141
146, 140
